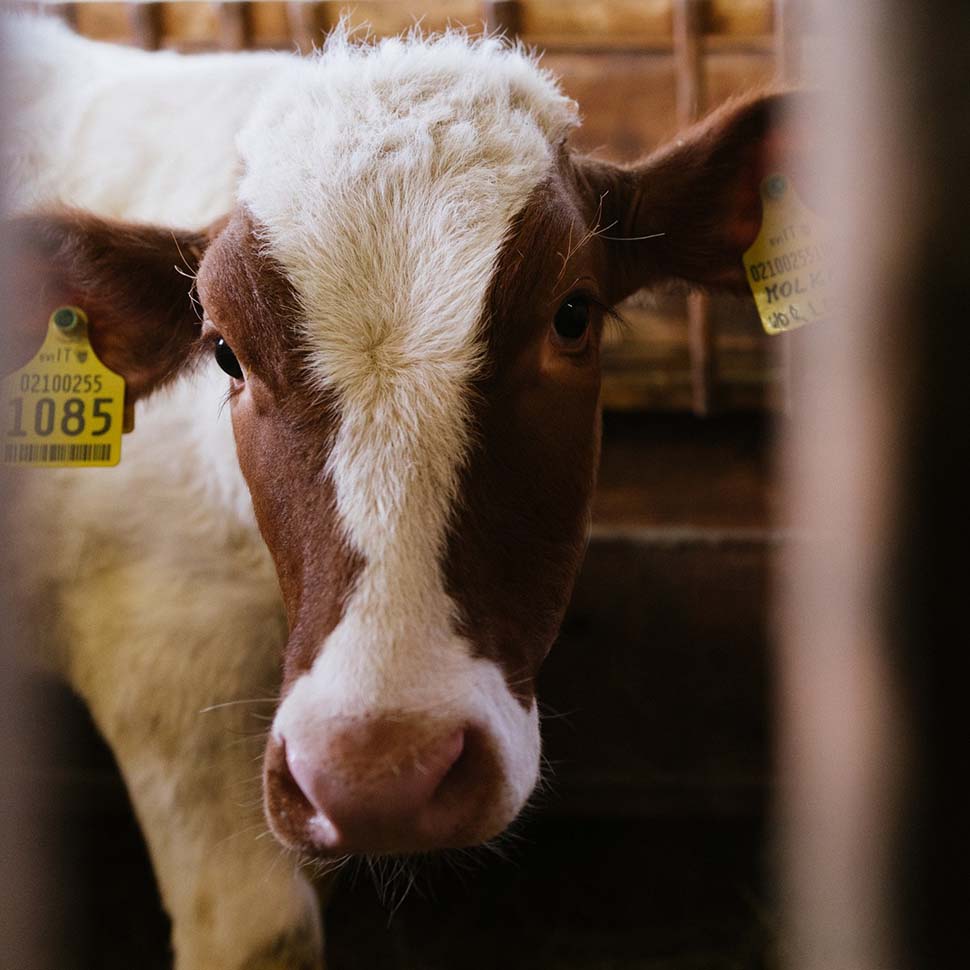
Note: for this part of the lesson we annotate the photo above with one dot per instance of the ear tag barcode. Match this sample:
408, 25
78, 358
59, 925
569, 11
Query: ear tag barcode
64, 408
785, 266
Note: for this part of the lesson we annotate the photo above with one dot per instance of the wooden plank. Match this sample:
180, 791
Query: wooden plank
384, 18
581, 25
687, 27
739, 17
307, 24
628, 100
504, 16
646, 364
597, 18
69, 12
233, 26
727, 72
688, 63
788, 40
788, 65
190, 26
268, 24
700, 345
110, 22
648, 44
145, 25
672, 472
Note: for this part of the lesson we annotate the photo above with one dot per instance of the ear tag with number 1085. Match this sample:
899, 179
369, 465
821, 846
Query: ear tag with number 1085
64, 408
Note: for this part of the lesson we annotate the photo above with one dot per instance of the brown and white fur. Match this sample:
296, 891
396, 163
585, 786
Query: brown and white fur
391, 503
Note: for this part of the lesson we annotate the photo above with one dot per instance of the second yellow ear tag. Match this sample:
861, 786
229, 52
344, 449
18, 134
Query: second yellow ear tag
63, 408
785, 266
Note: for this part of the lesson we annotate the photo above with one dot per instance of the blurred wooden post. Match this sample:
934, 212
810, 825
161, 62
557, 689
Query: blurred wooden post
145, 24
874, 601
307, 24
503, 16
787, 39
689, 65
66, 11
31, 895
233, 26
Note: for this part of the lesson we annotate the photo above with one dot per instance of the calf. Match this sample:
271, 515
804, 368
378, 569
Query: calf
366, 437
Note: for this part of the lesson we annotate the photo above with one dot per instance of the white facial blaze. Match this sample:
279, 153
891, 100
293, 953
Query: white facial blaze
385, 183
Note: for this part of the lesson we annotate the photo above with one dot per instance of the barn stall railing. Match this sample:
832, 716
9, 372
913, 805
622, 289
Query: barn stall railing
640, 71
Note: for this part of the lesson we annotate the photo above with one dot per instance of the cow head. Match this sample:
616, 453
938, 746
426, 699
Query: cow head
408, 302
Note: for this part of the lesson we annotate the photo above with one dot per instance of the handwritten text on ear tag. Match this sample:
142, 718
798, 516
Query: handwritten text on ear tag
64, 408
785, 266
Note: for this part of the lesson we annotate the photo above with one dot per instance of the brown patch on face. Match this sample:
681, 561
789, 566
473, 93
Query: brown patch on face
518, 538
284, 432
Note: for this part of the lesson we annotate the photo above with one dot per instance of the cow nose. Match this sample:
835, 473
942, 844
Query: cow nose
373, 787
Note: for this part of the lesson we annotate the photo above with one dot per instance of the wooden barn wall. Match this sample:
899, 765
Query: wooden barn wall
640, 70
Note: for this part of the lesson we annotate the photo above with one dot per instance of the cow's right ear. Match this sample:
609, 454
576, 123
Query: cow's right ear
690, 210
133, 282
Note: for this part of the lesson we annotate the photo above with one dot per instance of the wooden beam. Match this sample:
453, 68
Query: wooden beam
233, 26
788, 67
788, 35
66, 11
689, 66
307, 24
504, 16
145, 24
688, 59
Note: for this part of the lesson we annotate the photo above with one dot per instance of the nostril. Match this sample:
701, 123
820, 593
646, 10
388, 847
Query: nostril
288, 788
460, 778
441, 759
301, 774
370, 785
297, 799
284, 797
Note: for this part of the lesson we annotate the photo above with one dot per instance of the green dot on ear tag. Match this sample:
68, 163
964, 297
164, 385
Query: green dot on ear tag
67, 318
775, 186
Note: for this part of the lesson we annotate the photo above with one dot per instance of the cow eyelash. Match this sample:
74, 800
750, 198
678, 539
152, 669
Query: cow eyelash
616, 326
614, 321
608, 310
208, 337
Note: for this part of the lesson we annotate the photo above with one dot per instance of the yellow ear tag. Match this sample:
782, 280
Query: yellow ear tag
64, 408
785, 266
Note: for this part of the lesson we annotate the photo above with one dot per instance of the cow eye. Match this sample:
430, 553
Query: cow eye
226, 359
572, 319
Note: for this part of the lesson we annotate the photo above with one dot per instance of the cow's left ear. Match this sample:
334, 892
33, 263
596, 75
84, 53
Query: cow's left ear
690, 210
133, 282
